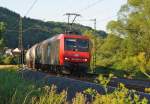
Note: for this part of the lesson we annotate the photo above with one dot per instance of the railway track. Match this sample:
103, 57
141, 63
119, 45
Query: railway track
131, 84
78, 84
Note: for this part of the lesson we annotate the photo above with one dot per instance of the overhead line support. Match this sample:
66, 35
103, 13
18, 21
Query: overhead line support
20, 43
95, 42
71, 23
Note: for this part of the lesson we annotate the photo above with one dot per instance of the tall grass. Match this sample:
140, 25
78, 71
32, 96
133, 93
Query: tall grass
13, 88
16, 90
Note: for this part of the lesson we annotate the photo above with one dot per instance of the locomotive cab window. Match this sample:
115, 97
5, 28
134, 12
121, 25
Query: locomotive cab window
77, 44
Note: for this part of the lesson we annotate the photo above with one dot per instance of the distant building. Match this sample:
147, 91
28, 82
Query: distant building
16, 51
8, 52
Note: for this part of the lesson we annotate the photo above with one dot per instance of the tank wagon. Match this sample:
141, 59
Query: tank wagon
63, 52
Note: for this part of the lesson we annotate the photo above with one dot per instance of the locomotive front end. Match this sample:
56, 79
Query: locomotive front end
77, 53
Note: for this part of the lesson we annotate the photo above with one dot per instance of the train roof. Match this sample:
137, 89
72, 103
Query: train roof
76, 36
59, 36
73, 36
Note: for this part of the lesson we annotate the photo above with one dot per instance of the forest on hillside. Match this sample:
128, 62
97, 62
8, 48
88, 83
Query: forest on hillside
34, 31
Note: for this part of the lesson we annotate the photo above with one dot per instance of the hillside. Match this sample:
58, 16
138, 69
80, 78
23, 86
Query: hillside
33, 30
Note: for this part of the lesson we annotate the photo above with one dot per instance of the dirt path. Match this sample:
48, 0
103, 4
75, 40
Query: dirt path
7, 66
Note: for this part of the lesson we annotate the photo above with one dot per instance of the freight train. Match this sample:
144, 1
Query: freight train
69, 53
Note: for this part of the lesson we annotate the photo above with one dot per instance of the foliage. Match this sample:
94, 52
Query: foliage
144, 65
129, 64
104, 81
2, 28
90, 93
50, 96
96, 42
7, 59
127, 46
79, 99
136, 27
120, 96
147, 90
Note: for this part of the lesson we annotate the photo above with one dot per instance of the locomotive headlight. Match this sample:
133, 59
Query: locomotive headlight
85, 60
66, 58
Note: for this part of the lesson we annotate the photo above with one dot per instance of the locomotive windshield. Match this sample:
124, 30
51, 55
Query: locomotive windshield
77, 44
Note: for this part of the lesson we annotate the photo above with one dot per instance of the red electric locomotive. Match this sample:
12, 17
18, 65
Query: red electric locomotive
64, 52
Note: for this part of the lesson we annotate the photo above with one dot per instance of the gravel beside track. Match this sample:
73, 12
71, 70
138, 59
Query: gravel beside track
71, 85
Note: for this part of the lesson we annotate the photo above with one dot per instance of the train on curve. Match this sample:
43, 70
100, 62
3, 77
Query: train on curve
69, 53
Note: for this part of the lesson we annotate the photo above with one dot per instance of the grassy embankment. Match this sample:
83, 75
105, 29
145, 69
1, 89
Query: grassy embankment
15, 90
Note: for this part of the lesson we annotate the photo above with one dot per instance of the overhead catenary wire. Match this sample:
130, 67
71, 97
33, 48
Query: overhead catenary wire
83, 9
26, 13
20, 38
89, 6
82, 21
31, 7
108, 18
92, 5
85, 20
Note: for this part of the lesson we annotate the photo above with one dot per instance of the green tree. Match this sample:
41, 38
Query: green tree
2, 27
133, 25
96, 42
110, 50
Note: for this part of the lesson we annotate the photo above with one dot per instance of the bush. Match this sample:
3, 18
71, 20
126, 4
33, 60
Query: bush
49, 96
6, 59
79, 99
143, 64
1, 59
130, 65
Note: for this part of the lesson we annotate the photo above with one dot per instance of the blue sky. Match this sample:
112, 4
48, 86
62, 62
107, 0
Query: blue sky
53, 10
